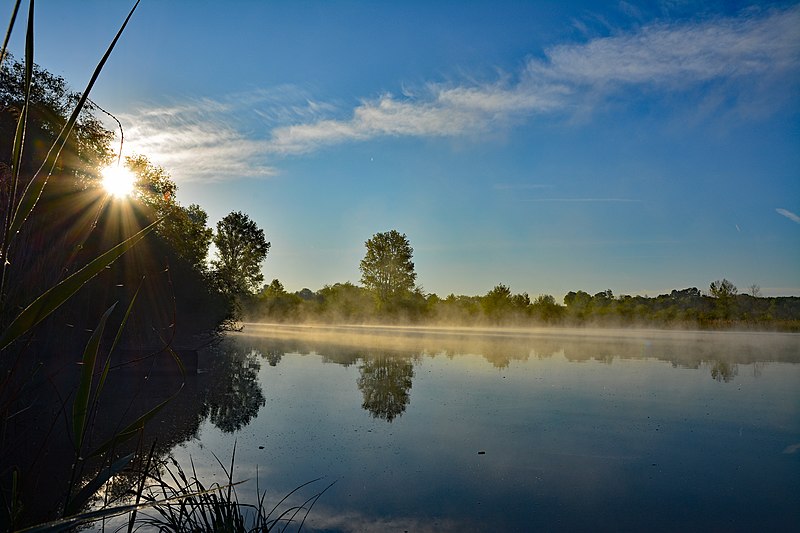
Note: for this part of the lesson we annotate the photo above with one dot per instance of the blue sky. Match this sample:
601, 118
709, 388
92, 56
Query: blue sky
636, 146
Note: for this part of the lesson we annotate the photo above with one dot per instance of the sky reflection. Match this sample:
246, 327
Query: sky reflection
612, 442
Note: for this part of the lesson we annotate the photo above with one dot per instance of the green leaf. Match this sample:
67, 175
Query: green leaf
54, 297
80, 406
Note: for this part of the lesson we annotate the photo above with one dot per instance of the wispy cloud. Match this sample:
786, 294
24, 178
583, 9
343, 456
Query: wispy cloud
667, 57
673, 56
245, 134
788, 214
213, 140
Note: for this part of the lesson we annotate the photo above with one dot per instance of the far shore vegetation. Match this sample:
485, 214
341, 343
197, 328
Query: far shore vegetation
388, 295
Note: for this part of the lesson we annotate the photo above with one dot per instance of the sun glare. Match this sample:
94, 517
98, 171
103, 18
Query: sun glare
118, 181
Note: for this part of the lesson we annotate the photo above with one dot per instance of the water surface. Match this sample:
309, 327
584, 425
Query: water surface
434, 430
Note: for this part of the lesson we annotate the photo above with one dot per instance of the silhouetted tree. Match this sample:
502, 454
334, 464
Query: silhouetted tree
241, 248
184, 228
275, 303
723, 289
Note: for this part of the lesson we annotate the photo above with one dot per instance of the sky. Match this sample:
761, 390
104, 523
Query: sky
551, 146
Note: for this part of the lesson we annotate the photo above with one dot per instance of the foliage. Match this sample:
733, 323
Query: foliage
184, 228
500, 305
50, 105
277, 304
241, 248
723, 289
182, 503
685, 308
387, 269
725, 292
344, 302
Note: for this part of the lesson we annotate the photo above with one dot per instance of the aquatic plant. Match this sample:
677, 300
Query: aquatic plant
180, 503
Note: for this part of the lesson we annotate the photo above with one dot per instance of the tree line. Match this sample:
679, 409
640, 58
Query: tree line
388, 294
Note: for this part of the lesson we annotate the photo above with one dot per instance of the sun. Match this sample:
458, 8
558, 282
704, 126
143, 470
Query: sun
118, 181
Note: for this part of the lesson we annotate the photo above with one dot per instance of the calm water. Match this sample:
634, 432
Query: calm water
454, 431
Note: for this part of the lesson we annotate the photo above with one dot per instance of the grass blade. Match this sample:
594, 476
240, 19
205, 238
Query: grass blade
35, 187
16, 152
121, 327
9, 30
94, 485
131, 429
54, 297
80, 406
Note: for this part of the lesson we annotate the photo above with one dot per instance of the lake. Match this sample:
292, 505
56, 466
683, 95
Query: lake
483, 430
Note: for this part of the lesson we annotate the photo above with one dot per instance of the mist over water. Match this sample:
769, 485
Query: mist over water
431, 429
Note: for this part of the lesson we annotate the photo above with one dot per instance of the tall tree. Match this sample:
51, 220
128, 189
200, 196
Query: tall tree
725, 293
241, 248
723, 289
387, 269
184, 228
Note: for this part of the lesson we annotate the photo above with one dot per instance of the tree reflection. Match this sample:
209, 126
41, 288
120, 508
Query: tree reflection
273, 357
724, 371
234, 396
385, 383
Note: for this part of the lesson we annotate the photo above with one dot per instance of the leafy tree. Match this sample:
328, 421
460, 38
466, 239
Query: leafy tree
154, 186
43, 250
51, 103
190, 223
275, 303
497, 302
184, 228
579, 304
344, 302
273, 290
241, 248
546, 309
723, 289
387, 269
725, 293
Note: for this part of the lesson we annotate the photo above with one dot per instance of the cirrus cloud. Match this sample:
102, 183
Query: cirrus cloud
755, 53
788, 214
753, 49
